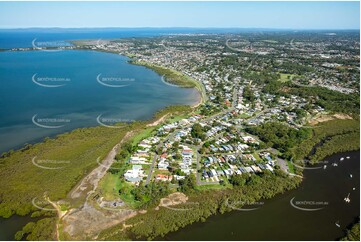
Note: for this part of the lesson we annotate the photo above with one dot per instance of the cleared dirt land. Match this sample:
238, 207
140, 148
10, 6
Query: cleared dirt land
325, 117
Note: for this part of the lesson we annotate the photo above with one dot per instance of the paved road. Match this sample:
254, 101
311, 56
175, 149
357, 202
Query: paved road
198, 156
161, 143
151, 169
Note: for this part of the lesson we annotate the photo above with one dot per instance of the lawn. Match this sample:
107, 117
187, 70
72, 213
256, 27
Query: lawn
255, 154
244, 116
142, 135
291, 167
176, 118
286, 77
109, 186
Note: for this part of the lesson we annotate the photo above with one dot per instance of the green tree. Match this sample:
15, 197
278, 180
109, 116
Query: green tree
187, 184
197, 132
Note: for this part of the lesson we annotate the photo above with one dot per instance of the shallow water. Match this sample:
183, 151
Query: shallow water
74, 87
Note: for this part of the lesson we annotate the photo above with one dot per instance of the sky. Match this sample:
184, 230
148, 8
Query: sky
284, 15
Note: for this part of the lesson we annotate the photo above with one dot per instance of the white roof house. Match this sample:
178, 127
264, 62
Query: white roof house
137, 160
135, 174
163, 164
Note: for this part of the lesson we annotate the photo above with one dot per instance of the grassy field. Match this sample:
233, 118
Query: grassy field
255, 154
243, 115
286, 77
109, 186
291, 168
176, 118
142, 135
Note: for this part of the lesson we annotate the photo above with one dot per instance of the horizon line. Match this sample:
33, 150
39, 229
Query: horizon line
168, 27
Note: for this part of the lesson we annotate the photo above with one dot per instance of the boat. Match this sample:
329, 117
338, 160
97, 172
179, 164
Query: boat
347, 157
351, 175
354, 188
341, 159
337, 224
325, 166
334, 164
347, 199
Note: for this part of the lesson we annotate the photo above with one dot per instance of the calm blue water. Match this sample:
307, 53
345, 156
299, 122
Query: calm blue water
81, 98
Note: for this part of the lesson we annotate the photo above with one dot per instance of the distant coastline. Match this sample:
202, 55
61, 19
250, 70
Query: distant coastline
173, 77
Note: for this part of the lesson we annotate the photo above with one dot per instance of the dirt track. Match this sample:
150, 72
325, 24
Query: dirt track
87, 221
90, 182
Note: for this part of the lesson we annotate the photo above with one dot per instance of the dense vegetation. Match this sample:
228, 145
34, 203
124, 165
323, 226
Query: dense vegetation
43, 229
330, 100
157, 223
336, 144
353, 234
280, 136
22, 181
151, 193
314, 144
188, 184
328, 138
198, 132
